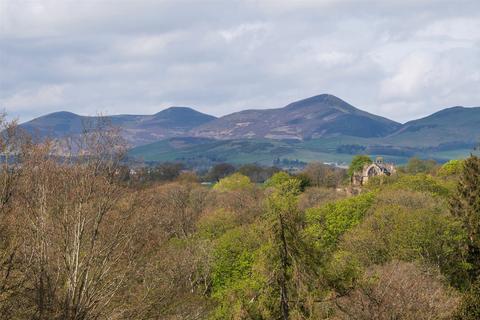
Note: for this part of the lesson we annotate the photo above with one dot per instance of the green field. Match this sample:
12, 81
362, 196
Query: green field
265, 152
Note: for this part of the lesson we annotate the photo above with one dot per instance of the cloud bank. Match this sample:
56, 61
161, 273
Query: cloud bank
399, 59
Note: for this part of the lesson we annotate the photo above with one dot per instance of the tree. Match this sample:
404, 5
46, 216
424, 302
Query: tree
407, 226
188, 177
284, 221
177, 208
234, 182
257, 173
421, 182
326, 224
77, 224
465, 204
322, 175
399, 290
416, 165
166, 171
220, 171
357, 164
235, 285
315, 197
451, 168
277, 179
13, 144
238, 196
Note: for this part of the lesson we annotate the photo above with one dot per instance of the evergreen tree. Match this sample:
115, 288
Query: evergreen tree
465, 204
290, 256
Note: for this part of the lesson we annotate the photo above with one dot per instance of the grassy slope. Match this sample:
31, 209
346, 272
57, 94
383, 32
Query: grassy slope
266, 151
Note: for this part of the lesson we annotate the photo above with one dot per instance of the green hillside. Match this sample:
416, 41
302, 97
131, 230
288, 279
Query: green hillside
266, 152
454, 125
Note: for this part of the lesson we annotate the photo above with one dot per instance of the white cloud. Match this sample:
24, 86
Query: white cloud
335, 58
146, 45
42, 97
465, 29
244, 29
411, 76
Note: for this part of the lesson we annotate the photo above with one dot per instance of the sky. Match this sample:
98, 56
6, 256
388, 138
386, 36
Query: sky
400, 59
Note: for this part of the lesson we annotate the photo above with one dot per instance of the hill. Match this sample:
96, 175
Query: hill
444, 135
203, 152
315, 117
320, 128
456, 125
137, 129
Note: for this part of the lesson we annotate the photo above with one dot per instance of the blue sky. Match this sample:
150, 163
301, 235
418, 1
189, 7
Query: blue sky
400, 59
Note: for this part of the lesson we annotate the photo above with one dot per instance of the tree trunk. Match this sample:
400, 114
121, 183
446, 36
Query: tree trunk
283, 277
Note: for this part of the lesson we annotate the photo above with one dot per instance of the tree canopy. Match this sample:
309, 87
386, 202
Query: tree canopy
357, 164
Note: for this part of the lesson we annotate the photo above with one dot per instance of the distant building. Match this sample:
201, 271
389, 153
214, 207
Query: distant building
377, 168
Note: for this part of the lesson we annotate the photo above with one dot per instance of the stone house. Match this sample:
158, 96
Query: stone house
376, 168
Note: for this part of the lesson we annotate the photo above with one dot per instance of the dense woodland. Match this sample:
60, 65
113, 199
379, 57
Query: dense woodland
81, 238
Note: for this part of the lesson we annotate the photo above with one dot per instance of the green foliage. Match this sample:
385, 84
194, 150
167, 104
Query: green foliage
421, 182
452, 167
234, 282
277, 179
282, 177
470, 306
288, 259
342, 270
236, 302
234, 251
465, 204
325, 225
357, 164
409, 226
233, 182
214, 224
305, 181
416, 165
233, 258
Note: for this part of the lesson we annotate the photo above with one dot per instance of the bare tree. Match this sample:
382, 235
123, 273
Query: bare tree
78, 224
13, 143
177, 208
399, 290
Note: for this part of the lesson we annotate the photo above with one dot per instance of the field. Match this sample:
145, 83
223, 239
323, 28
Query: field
266, 152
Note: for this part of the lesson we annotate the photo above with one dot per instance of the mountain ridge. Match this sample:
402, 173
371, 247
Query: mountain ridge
136, 129
313, 117
323, 125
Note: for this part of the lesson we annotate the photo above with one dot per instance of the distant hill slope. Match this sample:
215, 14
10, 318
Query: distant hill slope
322, 128
319, 116
137, 129
447, 134
205, 152
449, 126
